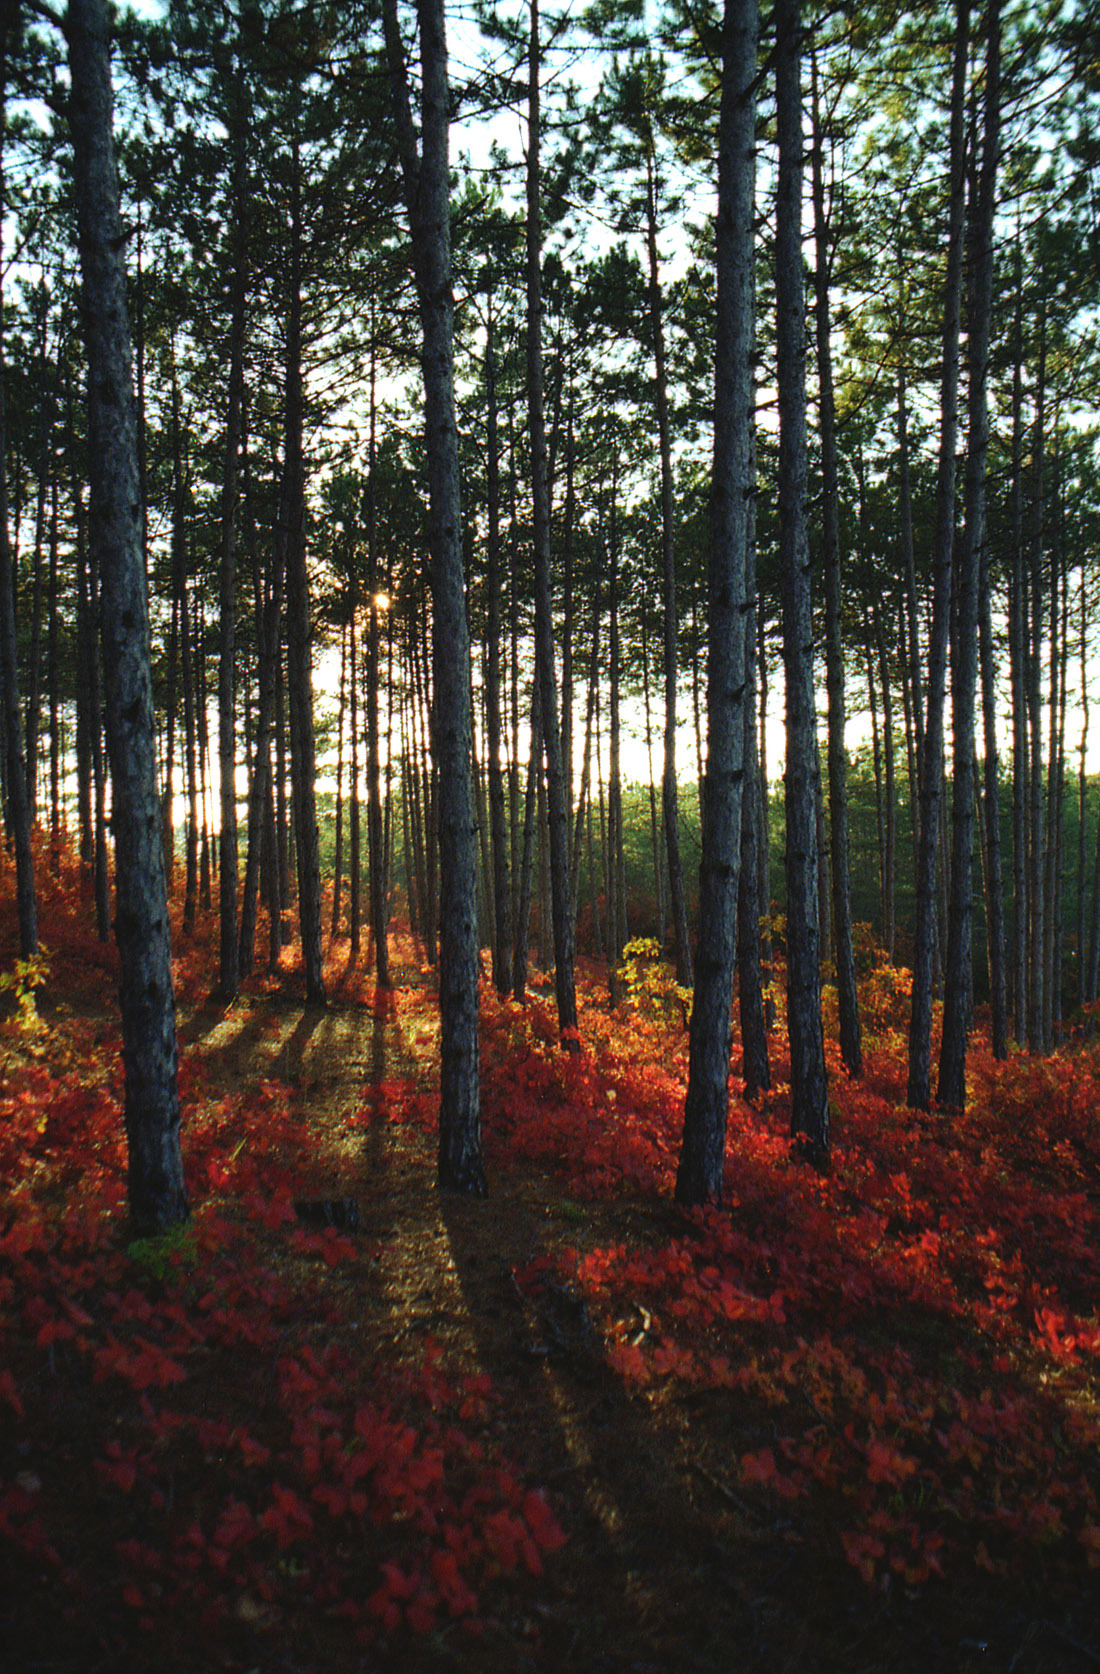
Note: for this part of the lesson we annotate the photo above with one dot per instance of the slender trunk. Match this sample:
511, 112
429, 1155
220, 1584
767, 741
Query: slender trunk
669, 789
338, 844
702, 1154
850, 1043
267, 616
654, 823
101, 882
880, 801
584, 800
561, 907
890, 794
502, 889
180, 592
527, 852
756, 1069
951, 1087
1082, 792
228, 939
34, 660
19, 807
931, 760
203, 728
376, 848
911, 614
568, 618
1016, 626
86, 711
1059, 652
299, 670
809, 1082
1033, 702
355, 855
427, 193
614, 775
157, 1195
53, 676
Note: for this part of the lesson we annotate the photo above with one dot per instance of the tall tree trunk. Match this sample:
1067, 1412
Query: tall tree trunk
1033, 703
19, 808
355, 854
53, 677
341, 733
86, 707
756, 1069
267, 617
181, 607
951, 1087
931, 760
299, 670
1016, 637
615, 937
669, 789
889, 792
561, 907
995, 926
848, 1000
809, 1082
376, 848
706, 1106
654, 822
1056, 770
427, 194
527, 850
498, 827
1082, 795
34, 660
155, 1171
228, 940
568, 614
203, 739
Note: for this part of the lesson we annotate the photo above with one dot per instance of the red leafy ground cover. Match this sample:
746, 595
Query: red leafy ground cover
846, 1420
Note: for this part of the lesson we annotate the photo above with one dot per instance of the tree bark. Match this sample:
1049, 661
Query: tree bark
228, 940
155, 1171
502, 889
1016, 635
669, 787
299, 663
706, 1108
951, 1087
1032, 661
376, 848
615, 937
427, 195
931, 760
809, 1082
755, 1069
851, 1049
19, 808
561, 907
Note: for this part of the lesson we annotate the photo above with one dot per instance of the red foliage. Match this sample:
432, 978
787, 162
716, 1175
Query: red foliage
915, 1334
931, 1304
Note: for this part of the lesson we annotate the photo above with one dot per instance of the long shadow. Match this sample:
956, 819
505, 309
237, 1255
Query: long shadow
639, 1526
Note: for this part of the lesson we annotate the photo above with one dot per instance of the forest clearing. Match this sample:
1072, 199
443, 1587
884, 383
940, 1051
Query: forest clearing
844, 1421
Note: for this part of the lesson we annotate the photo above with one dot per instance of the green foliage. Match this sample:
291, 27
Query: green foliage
166, 1252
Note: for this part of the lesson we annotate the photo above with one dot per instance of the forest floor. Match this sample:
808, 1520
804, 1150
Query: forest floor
847, 1423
